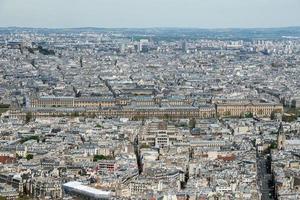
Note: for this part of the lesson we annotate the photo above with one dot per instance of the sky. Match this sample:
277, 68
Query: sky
150, 13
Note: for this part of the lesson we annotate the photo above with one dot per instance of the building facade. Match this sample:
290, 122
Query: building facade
240, 109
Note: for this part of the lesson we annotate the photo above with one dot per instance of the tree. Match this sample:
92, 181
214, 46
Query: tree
29, 156
33, 137
93, 115
289, 117
82, 172
144, 146
166, 117
273, 116
192, 123
23, 198
101, 157
4, 105
227, 113
75, 114
273, 145
99, 126
18, 156
28, 117
137, 118
3, 108
248, 114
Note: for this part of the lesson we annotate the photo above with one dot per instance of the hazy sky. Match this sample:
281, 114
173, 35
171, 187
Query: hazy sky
150, 13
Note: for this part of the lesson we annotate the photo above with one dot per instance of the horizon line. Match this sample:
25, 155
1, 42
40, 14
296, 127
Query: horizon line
150, 27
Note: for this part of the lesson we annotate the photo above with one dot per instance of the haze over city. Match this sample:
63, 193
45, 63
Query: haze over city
150, 13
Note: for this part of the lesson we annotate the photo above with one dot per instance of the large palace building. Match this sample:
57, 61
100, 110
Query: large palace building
241, 109
147, 107
71, 102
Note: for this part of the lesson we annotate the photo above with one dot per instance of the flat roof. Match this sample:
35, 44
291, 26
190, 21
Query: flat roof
56, 97
80, 187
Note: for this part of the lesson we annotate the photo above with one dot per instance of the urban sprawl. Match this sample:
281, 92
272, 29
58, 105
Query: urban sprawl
149, 114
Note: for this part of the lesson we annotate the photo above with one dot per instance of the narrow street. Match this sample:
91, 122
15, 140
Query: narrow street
137, 154
108, 86
265, 179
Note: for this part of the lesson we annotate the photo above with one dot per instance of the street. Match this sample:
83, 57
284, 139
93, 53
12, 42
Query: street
264, 177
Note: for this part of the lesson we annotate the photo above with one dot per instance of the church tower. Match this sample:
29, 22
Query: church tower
280, 138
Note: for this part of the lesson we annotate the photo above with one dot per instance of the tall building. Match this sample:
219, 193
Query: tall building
281, 140
184, 46
144, 45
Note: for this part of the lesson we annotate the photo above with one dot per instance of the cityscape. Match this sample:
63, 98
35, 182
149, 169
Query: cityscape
149, 113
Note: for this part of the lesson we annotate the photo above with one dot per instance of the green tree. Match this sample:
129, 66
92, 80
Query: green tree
18, 156
29, 156
75, 114
273, 115
192, 123
248, 114
4, 105
23, 198
98, 126
166, 117
289, 117
273, 145
144, 146
28, 117
93, 115
34, 137
101, 157
227, 113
